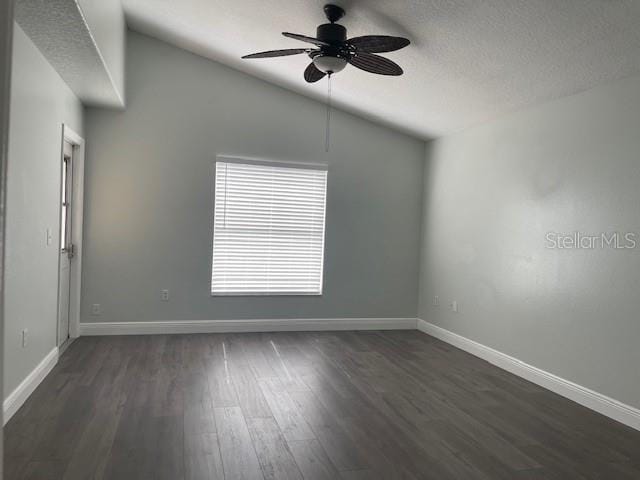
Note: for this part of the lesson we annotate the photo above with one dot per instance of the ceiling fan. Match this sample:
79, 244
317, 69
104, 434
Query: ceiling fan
335, 50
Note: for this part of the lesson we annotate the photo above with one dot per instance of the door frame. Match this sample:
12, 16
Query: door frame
77, 200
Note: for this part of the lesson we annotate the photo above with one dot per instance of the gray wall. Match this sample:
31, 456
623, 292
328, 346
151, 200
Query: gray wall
40, 103
6, 50
149, 194
493, 193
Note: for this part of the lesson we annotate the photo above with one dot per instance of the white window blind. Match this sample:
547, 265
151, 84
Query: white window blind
268, 236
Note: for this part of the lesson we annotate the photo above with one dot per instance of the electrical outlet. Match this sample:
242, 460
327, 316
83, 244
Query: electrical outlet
25, 336
454, 306
164, 295
96, 309
436, 301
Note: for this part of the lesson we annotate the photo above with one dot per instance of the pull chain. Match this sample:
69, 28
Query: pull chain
327, 140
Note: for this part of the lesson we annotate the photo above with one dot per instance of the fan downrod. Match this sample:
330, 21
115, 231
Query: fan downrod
333, 12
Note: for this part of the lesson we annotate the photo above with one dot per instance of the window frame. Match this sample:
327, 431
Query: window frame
268, 163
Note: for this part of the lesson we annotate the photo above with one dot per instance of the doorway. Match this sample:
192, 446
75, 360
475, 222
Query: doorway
69, 248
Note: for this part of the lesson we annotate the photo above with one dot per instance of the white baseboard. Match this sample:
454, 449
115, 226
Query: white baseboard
17, 398
264, 325
607, 406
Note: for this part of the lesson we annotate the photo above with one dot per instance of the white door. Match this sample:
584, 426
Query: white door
66, 247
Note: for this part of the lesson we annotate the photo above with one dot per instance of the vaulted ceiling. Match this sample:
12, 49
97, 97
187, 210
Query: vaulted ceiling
470, 60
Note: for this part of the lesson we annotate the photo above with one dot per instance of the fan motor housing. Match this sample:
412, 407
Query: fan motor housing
331, 33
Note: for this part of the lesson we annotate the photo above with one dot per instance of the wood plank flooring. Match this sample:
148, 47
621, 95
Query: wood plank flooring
313, 406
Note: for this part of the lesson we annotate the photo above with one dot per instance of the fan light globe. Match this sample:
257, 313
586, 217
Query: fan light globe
329, 64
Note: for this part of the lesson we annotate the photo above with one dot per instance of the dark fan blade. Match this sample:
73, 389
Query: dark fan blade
378, 43
375, 64
277, 53
304, 38
312, 74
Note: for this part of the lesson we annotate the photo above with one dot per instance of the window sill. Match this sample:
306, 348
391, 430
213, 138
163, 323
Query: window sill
266, 294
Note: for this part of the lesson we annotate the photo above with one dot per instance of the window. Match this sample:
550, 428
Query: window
268, 235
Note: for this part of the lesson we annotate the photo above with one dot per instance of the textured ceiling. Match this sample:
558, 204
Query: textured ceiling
59, 29
470, 61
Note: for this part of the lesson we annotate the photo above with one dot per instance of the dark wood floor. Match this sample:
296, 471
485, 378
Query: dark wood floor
370, 405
